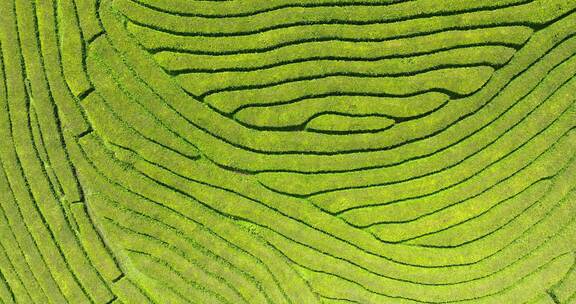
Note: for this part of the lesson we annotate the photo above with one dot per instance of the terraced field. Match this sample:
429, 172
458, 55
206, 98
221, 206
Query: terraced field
288, 151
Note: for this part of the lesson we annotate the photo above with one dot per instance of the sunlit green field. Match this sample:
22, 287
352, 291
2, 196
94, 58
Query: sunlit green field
287, 151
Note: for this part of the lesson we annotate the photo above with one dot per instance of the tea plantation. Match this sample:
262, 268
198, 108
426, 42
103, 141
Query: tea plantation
288, 151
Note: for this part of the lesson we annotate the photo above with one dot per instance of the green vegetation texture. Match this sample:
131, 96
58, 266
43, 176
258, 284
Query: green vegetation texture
287, 151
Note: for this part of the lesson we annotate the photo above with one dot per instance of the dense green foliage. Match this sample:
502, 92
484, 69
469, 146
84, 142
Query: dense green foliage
287, 151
